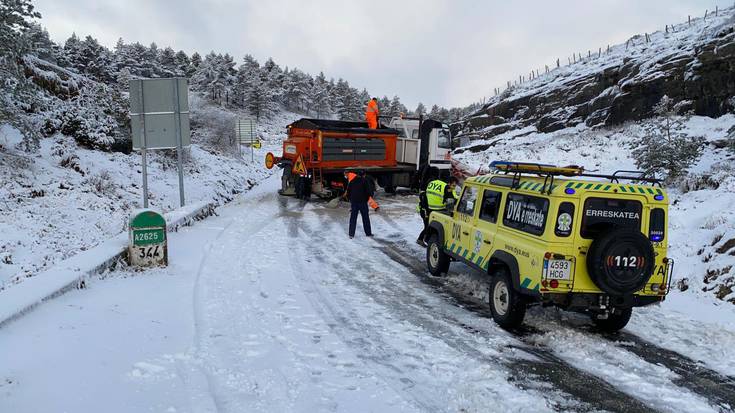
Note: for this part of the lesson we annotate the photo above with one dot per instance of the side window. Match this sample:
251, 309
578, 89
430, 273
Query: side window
467, 202
657, 225
526, 213
490, 206
564, 220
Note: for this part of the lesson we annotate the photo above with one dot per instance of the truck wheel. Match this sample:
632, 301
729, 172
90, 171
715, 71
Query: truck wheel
615, 321
506, 305
436, 259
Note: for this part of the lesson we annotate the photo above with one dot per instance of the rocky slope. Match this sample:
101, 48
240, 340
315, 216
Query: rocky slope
693, 63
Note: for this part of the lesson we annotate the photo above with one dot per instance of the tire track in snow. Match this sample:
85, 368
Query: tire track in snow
546, 366
359, 335
715, 387
706, 384
217, 403
525, 372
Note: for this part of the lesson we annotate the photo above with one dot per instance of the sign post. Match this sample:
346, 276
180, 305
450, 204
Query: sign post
148, 245
245, 130
161, 109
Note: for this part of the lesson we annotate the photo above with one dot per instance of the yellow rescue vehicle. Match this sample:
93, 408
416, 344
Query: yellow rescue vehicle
559, 236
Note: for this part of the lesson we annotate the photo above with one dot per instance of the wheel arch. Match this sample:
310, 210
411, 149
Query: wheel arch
438, 228
505, 259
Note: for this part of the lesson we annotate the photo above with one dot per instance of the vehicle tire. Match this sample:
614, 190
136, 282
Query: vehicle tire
506, 305
620, 262
615, 320
436, 259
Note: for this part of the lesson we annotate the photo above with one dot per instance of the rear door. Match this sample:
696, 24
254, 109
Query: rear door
486, 227
600, 214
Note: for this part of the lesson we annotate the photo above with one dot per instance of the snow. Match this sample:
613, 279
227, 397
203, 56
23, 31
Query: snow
268, 306
74, 272
89, 200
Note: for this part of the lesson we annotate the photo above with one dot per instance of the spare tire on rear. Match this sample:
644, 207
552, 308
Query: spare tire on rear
621, 261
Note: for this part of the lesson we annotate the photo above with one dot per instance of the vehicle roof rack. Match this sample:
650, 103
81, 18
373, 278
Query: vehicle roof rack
549, 172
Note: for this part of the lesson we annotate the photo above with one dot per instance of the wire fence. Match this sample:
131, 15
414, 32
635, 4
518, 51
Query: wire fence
575, 58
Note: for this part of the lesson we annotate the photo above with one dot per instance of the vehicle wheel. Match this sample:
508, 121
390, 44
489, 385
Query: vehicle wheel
436, 259
506, 305
615, 320
620, 262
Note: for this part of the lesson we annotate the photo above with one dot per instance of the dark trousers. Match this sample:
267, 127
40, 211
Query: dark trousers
425, 218
363, 210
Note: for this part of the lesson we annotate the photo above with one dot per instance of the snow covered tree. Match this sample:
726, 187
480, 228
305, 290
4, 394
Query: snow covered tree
396, 107
39, 44
666, 149
320, 96
347, 103
167, 62
94, 60
15, 18
182, 64
16, 92
196, 60
420, 109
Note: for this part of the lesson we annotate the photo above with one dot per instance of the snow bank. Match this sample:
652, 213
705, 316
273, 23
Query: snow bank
73, 273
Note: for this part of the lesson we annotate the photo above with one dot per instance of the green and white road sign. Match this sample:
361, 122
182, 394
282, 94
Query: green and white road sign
148, 245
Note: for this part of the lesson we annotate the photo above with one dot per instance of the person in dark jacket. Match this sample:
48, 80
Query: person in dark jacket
359, 191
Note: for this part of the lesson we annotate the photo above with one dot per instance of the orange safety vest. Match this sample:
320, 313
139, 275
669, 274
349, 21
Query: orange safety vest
372, 109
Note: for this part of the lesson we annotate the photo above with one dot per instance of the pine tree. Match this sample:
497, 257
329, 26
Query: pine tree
73, 53
420, 109
95, 61
38, 42
320, 96
196, 60
182, 63
667, 149
167, 62
396, 107
15, 18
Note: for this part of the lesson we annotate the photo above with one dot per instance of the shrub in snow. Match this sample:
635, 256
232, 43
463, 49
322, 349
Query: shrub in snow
212, 126
696, 182
90, 118
102, 184
666, 150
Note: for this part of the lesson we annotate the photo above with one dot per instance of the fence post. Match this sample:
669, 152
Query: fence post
689, 20
667, 28
717, 8
705, 14
547, 68
608, 48
557, 63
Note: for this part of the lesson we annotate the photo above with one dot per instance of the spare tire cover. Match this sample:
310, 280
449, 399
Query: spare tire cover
621, 261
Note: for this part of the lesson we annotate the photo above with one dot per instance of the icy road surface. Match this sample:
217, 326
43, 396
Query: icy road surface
269, 307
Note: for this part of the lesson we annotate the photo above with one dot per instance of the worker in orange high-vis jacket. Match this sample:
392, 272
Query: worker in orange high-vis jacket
350, 176
371, 113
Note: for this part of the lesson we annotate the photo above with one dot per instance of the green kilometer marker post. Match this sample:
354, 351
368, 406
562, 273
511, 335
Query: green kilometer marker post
148, 246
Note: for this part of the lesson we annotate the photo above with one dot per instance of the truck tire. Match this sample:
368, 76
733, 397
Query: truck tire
615, 321
436, 259
506, 304
610, 261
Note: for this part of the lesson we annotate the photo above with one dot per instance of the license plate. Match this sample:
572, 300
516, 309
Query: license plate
558, 270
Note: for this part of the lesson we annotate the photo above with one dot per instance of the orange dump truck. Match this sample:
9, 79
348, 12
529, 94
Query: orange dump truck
317, 153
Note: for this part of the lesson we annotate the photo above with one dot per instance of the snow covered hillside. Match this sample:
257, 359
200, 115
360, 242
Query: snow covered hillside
702, 227
691, 62
65, 199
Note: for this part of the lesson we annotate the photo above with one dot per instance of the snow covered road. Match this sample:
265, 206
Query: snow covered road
270, 307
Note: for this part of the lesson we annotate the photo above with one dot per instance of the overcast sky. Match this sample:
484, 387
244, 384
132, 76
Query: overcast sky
447, 52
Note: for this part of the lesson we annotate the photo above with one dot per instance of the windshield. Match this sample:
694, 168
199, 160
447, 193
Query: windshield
445, 139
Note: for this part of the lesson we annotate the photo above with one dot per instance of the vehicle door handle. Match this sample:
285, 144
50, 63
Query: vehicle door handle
466, 233
487, 242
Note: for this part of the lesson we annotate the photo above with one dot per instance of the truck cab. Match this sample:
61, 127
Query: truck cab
422, 142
